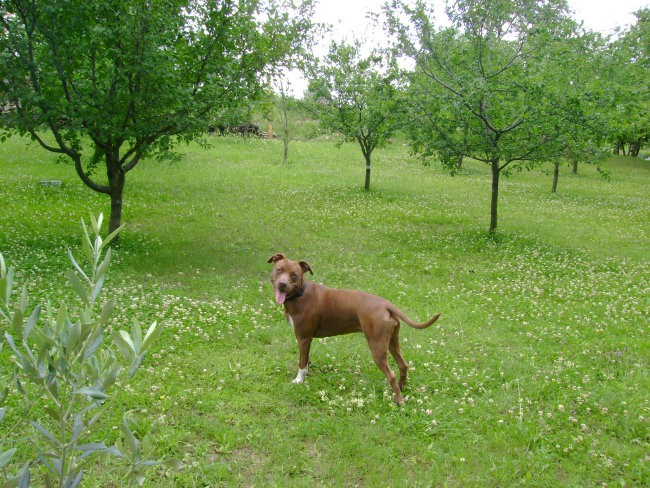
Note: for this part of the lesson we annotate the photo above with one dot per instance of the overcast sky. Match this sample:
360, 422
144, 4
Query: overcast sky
600, 15
348, 19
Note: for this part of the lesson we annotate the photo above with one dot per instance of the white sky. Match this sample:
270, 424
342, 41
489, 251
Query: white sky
349, 21
600, 15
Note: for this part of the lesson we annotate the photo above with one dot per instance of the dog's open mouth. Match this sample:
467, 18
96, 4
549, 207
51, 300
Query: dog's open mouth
280, 296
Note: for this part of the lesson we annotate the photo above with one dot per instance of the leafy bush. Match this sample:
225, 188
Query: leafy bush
69, 367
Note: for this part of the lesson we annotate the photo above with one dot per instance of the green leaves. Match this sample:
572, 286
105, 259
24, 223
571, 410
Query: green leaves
90, 285
133, 347
22, 479
6, 456
78, 286
71, 368
6, 284
133, 450
92, 393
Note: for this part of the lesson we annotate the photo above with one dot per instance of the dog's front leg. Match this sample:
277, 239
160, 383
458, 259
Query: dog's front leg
303, 365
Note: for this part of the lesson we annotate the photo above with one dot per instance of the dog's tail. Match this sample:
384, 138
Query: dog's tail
396, 312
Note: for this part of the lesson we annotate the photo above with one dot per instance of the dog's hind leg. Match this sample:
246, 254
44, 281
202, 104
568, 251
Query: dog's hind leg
394, 349
378, 342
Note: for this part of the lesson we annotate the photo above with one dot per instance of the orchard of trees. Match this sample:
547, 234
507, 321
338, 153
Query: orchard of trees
513, 84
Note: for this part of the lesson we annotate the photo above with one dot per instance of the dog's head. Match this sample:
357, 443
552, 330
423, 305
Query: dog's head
287, 277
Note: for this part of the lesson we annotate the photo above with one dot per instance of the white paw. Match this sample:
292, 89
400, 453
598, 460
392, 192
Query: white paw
301, 376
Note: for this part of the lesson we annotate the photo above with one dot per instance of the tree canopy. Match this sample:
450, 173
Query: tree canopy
628, 81
354, 95
498, 85
110, 82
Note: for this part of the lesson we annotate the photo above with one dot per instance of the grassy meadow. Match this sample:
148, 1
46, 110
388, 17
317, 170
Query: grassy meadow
536, 374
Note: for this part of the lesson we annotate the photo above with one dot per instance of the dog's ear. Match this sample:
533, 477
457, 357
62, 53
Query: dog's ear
305, 267
275, 258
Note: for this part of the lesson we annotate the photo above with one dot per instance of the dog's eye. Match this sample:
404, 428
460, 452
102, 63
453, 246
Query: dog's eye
294, 276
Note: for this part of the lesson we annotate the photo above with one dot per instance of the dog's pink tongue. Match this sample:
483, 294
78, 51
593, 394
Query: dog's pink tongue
280, 296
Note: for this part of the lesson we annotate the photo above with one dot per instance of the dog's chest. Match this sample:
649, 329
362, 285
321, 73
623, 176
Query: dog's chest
290, 320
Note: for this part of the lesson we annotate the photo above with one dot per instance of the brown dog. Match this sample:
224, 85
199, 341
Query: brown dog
313, 310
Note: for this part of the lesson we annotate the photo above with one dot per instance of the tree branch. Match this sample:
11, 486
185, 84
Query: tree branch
509, 63
479, 114
43, 144
86, 179
525, 156
59, 68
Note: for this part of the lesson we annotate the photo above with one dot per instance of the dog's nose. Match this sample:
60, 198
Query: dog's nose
282, 286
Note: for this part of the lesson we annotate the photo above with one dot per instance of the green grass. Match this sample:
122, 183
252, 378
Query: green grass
536, 375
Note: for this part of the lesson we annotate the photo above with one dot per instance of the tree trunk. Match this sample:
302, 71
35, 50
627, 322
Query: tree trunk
116, 181
116, 212
285, 124
459, 162
285, 151
285, 131
635, 148
575, 168
367, 156
496, 172
556, 176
